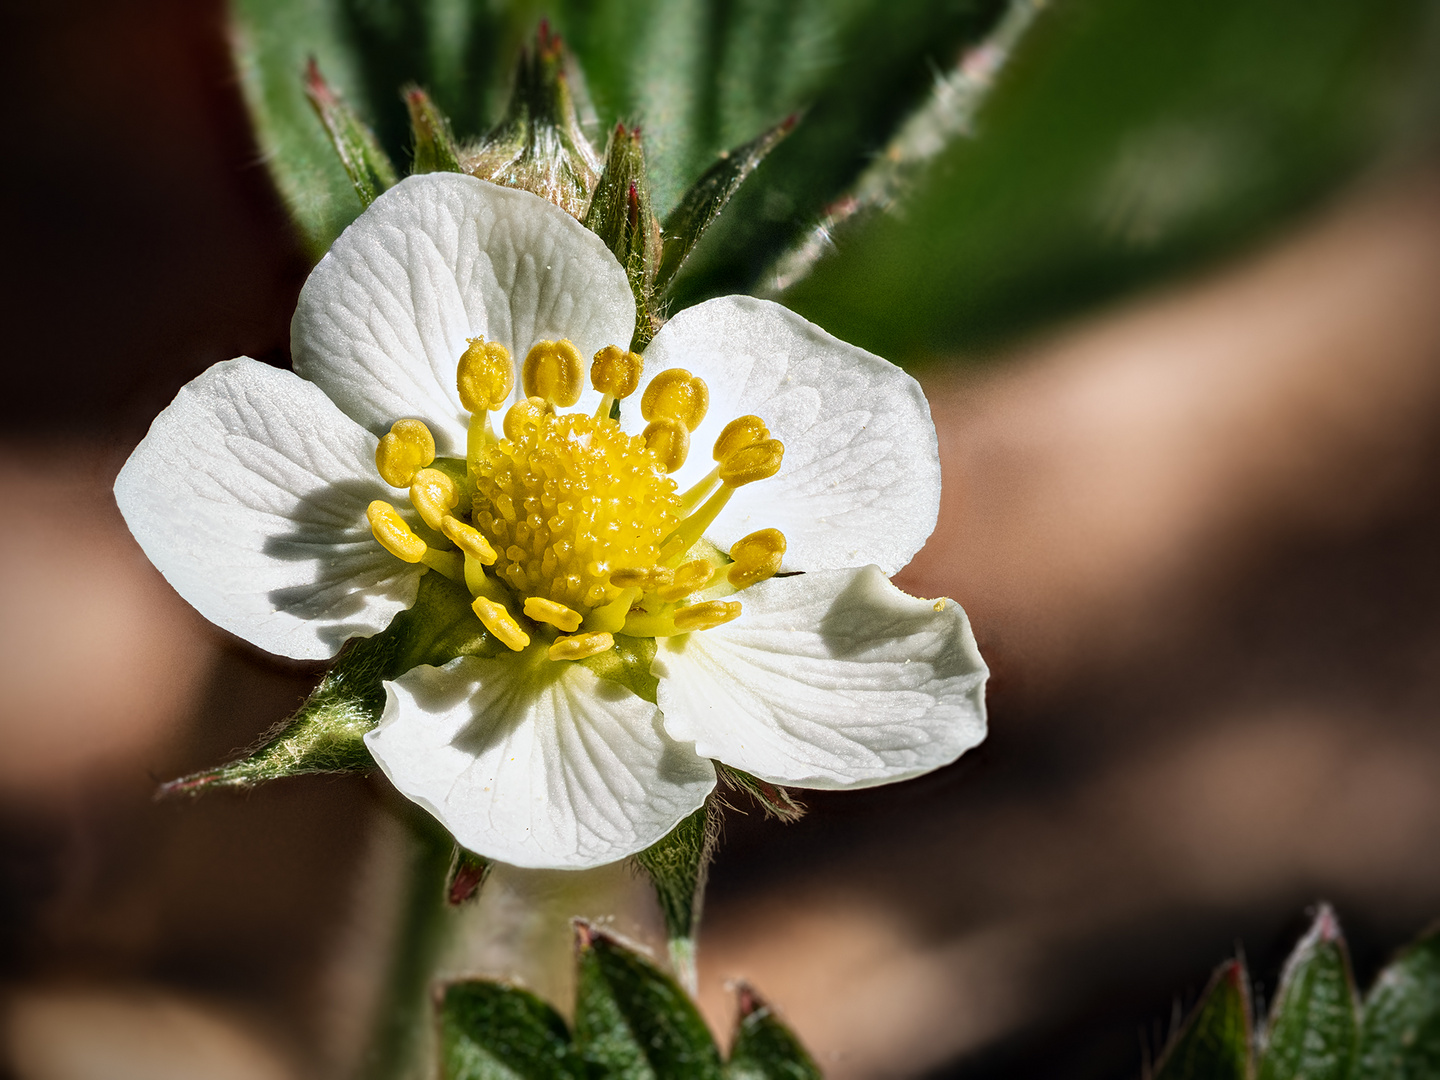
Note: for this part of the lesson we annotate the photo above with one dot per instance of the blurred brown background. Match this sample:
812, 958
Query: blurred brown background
1197, 536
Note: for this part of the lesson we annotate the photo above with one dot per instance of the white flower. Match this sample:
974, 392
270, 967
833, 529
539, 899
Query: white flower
257, 494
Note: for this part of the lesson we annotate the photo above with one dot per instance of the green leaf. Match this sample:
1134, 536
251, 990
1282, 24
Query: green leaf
678, 865
490, 1031
1214, 1044
1314, 1021
369, 167
632, 1020
1400, 1033
434, 143
620, 215
327, 734
702, 203
1126, 142
764, 1048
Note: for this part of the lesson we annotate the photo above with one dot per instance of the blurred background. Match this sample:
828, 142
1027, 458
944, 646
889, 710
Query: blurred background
1174, 291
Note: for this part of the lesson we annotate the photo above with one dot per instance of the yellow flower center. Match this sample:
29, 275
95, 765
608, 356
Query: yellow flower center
579, 525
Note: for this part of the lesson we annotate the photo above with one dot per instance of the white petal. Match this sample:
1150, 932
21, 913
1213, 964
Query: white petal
441, 257
828, 680
861, 478
249, 495
536, 763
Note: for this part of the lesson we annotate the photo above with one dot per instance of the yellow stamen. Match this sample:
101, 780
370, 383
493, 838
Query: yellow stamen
739, 433
670, 441
485, 375
527, 413
552, 371
394, 533
758, 461
689, 577
501, 623
449, 563
707, 615
654, 577
675, 394
611, 617
434, 494
406, 449
756, 556
557, 615
581, 646
468, 539
692, 498
673, 549
615, 372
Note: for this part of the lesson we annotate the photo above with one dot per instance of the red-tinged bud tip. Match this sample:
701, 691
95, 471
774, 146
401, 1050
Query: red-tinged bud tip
749, 1001
315, 83
788, 124
585, 934
466, 884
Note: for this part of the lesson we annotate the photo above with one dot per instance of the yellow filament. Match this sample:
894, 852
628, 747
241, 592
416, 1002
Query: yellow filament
739, 433
673, 549
670, 441
485, 375
581, 646
704, 616
468, 539
688, 577
407, 448
756, 556
758, 461
615, 372
393, 533
434, 494
675, 394
449, 563
527, 413
501, 623
611, 617
557, 615
692, 498
552, 371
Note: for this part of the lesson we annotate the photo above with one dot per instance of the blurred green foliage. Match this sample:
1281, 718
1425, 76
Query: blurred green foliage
1125, 142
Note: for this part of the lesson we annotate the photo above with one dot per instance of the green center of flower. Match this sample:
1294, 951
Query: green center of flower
567, 527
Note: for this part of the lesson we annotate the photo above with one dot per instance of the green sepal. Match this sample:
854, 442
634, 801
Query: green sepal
434, 144
466, 876
1215, 1043
632, 1020
1314, 1022
763, 1047
327, 734
490, 1031
620, 214
702, 202
678, 865
1400, 1034
538, 145
776, 801
368, 166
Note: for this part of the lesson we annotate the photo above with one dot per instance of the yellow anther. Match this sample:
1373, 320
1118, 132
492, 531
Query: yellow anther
670, 441
501, 623
434, 494
557, 615
581, 646
689, 577
468, 539
756, 556
552, 371
616, 372
655, 577
739, 433
485, 375
393, 533
528, 412
406, 449
706, 615
754, 462
675, 394
938, 605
